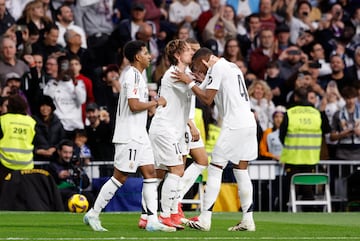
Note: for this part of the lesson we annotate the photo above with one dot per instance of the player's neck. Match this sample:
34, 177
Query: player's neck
181, 66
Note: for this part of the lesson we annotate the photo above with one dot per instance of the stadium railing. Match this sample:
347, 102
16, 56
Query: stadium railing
268, 173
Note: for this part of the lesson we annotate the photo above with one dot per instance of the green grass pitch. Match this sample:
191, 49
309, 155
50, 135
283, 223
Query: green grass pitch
123, 226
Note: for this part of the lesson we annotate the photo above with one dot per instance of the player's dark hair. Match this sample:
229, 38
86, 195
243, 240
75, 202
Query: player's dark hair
203, 53
132, 48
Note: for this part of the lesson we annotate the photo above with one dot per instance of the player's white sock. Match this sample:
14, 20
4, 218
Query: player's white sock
212, 187
143, 206
150, 197
106, 194
169, 193
188, 179
245, 190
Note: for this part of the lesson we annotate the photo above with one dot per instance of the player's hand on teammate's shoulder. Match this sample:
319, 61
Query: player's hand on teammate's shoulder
181, 76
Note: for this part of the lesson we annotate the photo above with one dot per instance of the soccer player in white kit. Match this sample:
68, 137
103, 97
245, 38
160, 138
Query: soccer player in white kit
237, 141
132, 144
167, 130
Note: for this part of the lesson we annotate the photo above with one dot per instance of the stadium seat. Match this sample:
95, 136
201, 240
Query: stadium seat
314, 179
198, 199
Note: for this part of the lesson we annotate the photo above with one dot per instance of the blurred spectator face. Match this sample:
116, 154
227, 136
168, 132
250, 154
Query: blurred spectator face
317, 52
303, 81
51, 67
278, 118
214, 3
308, 37
66, 15
265, 7
232, 47
73, 38
336, 11
272, 72
66, 153
3, 107
219, 31
45, 110
259, 92
50, 38
266, 39
229, 13
37, 11
357, 57
8, 49
336, 64
38, 62
254, 24
183, 33
2, 8
304, 10
241, 66
110, 77
312, 98
92, 116
75, 66
283, 37
145, 33
138, 15
294, 55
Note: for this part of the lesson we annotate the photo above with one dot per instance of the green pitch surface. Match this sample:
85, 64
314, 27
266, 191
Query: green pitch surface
123, 226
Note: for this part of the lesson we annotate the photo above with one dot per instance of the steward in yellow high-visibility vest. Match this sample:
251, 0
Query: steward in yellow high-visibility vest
301, 134
17, 132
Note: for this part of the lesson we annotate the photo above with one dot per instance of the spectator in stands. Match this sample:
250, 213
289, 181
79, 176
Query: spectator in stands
302, 21
126, 30
330, 104
9, 62
219, 29
276, 84
3, 104
69, 174
50, 130
68, 94
145, 33
354, 71
33, 16
282, 35
6, 20
296, 155
346, 127
48, 46
232, 51
185, 13
82, 151
290, 60
338, 73
33, 83
261, 101
267, 18
317, 54
12, 87
270, 146
266, 52
106, 90
51, 67
65, 21
214, 8
16, 147
96, 19
75, 67
249, 39
99, 133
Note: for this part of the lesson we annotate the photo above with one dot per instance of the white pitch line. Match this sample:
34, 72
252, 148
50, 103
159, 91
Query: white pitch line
191, 238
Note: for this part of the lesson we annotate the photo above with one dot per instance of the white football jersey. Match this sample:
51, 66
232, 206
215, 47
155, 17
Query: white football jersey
131, 125
232, 99
174, 116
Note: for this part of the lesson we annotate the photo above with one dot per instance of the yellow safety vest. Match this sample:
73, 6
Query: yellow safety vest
16, 148
303, 139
